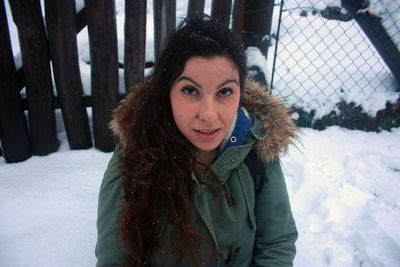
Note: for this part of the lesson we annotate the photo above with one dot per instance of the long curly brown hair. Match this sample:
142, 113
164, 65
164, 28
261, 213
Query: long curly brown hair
157, 160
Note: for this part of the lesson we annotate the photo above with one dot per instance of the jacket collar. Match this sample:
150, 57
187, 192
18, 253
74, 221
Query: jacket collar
247, 131
239, 131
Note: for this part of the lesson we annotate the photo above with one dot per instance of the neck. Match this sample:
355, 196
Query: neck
206, 157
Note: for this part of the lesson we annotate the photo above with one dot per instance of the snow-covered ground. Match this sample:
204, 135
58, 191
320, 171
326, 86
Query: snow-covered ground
343, 185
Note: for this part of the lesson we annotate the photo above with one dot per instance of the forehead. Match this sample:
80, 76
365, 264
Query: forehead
214, 66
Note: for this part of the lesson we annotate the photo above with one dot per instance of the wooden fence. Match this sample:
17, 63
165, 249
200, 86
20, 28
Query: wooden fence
19, 139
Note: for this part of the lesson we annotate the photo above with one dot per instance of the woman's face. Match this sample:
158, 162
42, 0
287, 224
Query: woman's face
204, 100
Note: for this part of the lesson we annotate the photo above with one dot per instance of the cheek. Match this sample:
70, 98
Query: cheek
180, 111
177, 113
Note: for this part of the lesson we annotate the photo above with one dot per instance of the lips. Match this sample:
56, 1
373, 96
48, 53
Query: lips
207, 135
207, 131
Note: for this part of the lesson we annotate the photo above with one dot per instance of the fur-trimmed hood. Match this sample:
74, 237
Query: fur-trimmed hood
280, 131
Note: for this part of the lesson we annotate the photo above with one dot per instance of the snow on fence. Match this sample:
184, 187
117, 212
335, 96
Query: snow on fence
20, 140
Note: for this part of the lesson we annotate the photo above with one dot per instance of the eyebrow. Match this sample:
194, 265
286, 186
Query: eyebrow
195, 83
228, 81
188, 79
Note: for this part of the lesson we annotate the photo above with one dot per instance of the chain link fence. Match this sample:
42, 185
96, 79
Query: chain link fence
324, 58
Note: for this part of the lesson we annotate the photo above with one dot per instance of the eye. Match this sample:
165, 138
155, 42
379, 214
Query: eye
189, 90
225, 92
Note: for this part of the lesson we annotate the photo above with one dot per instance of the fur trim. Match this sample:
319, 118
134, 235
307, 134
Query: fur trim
280, 130
121, 123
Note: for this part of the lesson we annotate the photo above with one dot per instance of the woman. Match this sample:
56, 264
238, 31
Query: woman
177, 191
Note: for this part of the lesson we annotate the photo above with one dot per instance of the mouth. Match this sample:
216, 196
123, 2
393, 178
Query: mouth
205, 136
211, 131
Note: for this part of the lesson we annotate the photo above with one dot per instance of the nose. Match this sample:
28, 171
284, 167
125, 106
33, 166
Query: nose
208, 110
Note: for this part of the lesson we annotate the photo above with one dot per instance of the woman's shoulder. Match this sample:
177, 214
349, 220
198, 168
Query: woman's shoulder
109, 205
114, 170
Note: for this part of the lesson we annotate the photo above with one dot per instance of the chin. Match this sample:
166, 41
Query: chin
206, 148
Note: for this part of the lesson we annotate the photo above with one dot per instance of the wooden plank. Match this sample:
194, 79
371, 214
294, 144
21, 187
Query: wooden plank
28, 18
195, 8
81, 20
238, 18
21, 78
14, 133
164, 23
257, 24
81, 23
61, 29
87, 101
104, 68
135, 42
377, 34
221, 11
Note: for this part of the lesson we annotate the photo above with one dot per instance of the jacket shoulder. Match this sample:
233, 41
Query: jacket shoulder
109, 206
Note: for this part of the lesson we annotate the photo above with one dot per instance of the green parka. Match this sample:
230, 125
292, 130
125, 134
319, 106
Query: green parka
258, 230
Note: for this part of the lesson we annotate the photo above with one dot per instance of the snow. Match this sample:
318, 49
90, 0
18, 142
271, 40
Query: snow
343, 184
255, 58
343, 187
48, 208
344, 194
